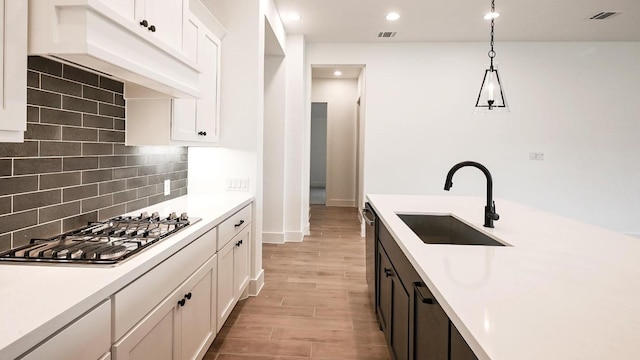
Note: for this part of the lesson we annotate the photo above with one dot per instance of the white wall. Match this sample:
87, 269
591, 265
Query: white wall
295, 137
576, 102
241, 111
341, 96
274, 149
318, 174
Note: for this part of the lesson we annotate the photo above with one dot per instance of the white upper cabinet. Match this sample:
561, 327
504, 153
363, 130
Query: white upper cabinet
194, 122
157, 17
197, 120
13, 70
138, 41
162, 16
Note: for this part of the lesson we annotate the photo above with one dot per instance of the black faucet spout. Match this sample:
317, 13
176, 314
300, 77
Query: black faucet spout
490, 214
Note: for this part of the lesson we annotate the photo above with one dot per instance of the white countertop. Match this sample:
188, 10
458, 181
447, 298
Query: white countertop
563, 290
37, 300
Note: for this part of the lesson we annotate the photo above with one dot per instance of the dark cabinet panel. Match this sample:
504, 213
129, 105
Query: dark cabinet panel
384, 292
399, 336
415, 325
430, 326
460, 350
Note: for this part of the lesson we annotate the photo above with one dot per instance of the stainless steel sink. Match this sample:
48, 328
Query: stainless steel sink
445, 229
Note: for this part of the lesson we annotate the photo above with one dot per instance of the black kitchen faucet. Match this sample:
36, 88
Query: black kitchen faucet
490, 209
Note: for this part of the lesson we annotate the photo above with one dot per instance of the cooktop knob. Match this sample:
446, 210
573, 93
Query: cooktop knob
172, 216
184, 216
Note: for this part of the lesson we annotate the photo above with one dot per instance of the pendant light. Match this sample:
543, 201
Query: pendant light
491, 97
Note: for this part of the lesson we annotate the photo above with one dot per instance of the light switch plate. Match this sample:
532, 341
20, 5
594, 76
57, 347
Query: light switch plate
536, 156
238, 184
167, 187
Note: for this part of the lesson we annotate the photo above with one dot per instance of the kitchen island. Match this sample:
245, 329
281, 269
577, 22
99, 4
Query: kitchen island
41, 300
560, 289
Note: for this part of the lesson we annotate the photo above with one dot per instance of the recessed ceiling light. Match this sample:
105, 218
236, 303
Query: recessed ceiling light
337, 73
491, 15
294, 17
393, 16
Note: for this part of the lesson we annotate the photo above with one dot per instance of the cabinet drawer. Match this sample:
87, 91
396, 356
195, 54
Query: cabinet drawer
94, 331
233, 225
136, 300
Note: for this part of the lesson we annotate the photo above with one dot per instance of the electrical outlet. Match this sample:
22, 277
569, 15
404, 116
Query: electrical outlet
238, 184
536, 156
167, 187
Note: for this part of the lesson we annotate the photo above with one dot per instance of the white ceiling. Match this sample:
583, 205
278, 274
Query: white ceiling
461, 20
328, 72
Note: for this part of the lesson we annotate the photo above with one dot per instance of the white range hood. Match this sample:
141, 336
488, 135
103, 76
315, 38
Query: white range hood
91, 34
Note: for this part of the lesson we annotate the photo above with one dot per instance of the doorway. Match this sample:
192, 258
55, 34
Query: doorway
318, 161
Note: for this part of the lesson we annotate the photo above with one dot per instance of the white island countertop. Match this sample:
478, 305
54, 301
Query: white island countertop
37, 300
562, 290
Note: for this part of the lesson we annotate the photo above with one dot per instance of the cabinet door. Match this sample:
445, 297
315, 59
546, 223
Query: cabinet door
430, 326
198, 320
13, 70
153, 338
241, 263
226, 286
167, 17
384, 293
124, 8
399, 334
197, 120
459, 348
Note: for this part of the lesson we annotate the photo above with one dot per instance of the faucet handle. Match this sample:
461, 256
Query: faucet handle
493, 214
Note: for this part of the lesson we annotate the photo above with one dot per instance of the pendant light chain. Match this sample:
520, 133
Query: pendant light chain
492, 53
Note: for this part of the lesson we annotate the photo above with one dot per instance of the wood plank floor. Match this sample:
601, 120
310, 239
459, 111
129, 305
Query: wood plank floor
314, 304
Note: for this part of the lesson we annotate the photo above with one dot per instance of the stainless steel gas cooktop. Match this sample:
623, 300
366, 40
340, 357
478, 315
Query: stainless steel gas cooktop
106, 243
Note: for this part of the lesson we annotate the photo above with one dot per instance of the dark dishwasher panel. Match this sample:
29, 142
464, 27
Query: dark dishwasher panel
370, 218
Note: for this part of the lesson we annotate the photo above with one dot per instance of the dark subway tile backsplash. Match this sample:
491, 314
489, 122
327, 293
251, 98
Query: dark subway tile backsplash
74, 167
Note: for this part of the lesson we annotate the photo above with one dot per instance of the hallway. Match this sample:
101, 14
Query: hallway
314, 304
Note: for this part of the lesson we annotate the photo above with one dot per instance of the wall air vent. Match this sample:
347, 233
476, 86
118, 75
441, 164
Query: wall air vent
387, 34
604, 15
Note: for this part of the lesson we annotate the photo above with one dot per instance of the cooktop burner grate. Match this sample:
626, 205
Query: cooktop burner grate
107, 243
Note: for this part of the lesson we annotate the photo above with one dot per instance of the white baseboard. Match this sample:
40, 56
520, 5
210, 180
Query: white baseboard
255, 285
272, 238
306, 229
293, 236
341, 202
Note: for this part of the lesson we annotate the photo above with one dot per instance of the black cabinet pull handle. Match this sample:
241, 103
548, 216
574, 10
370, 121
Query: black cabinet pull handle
188, 296
144, 23
202, 133
240, 223
182, 302
240, 242
388, 272
425, 299
152, 28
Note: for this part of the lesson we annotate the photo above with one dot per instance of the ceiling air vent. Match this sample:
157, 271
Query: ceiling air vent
604, 15
387, 34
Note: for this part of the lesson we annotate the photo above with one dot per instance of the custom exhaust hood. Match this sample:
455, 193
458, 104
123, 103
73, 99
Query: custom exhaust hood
91, 34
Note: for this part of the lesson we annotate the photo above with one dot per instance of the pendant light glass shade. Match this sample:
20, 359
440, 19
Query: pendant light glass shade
491, 97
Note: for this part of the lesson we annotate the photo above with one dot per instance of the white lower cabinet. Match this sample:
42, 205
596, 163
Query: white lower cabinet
94, 328
233, 273
181, 327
